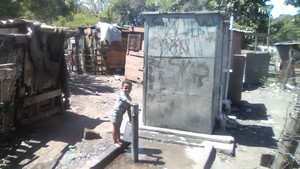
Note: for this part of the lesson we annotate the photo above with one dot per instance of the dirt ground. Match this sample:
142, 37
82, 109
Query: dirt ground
260, 120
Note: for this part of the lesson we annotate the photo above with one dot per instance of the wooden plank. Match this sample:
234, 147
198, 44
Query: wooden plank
116, 59
134, 62
257, 34
44, 96
137, 54
41, 115
7, 64
134, 75
9, 30
7, 89
134, 68
138, 63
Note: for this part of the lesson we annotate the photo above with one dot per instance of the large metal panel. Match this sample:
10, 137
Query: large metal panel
257, 68
181, 112
235, 87
182, 35
183, 69
192, 77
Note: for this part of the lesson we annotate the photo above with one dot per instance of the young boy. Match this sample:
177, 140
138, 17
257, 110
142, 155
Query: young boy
122, 105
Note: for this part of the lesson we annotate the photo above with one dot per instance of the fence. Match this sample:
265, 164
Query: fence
288, 153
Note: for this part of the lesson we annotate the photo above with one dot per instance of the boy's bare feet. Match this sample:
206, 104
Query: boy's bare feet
118, 145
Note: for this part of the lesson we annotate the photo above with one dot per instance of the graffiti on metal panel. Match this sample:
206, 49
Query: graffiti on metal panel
181, 38
207, 20
190, 75
181, 76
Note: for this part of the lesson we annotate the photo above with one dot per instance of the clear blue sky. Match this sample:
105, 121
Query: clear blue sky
280, 8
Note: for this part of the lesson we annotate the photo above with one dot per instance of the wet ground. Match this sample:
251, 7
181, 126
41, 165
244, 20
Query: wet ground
159, 155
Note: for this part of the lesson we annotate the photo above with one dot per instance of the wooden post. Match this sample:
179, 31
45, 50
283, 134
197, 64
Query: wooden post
290, 140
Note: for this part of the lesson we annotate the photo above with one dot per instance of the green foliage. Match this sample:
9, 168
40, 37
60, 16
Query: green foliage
295, 3
126, 12
9, 9
44, 10
189, 5
95, 6
106, 15
285, 28
167, 5
76, 20
151, 5
248, 14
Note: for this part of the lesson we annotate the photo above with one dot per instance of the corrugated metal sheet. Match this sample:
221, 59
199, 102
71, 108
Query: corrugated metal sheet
17, 22
12, 22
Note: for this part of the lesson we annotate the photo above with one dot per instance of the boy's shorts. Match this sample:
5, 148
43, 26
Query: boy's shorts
117, 117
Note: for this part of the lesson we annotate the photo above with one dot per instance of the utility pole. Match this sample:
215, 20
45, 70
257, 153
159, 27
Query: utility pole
290, 141
268, 37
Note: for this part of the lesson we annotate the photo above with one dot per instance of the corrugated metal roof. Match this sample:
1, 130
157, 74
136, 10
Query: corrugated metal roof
287, 43
192, 12
18, 21
134, 29
11, 21
242, 31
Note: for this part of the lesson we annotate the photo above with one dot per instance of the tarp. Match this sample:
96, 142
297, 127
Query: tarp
108, 32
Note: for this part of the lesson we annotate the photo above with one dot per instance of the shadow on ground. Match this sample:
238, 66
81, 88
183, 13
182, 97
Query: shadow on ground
250, 130
86, 85
26, 140
254, 136
250, 111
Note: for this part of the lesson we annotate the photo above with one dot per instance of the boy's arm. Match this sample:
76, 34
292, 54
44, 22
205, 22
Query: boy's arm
129, 108
125, 98
129, 102
129, 113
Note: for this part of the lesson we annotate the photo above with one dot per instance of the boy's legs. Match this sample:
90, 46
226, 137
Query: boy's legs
117, 121
116, 134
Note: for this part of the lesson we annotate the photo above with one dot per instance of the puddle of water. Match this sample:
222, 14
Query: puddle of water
161, 156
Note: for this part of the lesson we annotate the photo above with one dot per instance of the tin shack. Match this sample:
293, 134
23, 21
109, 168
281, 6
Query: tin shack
107, 48
33, 72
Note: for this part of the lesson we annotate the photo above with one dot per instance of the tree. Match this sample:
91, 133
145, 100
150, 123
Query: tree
96, 6
285, 28
125, 12
75, 20
295, 3
80, 14
46, 10
248, 14
9, 9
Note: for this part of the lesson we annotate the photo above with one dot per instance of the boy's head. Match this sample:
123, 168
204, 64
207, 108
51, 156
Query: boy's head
126, 86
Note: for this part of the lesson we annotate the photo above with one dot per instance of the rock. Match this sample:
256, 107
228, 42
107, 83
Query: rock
266, 160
